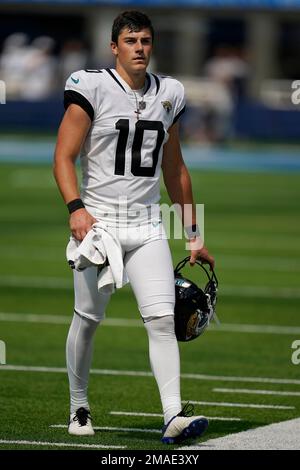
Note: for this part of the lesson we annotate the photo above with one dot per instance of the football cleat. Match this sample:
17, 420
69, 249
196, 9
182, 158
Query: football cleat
81, 423
184, 427
194, 307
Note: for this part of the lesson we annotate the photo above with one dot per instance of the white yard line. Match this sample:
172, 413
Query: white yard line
227, 378
36, 282
241, 405
134, 323
159, 415
110, 428
260, 291
33, 253
35, 318
59, 444
278, 436
135, 413
249, 263
225, 290
63, 319
63, 370
133, 373
264, 329
256, 392
243, 262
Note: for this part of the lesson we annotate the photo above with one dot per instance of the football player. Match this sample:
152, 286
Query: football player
124, 123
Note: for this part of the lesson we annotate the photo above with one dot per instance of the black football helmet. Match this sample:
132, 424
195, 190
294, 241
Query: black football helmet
194, 307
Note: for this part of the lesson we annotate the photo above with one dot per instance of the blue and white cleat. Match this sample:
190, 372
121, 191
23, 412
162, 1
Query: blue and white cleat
183, 427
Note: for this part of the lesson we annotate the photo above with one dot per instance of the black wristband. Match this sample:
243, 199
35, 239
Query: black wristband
75, 205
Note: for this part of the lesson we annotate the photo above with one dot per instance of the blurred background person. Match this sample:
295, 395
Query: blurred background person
40, 70
228, 67
13, 63
228, 71
237, 66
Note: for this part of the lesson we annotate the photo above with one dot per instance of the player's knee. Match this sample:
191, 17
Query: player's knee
94, 316
91, 307
161, 325
157, 309
91, 310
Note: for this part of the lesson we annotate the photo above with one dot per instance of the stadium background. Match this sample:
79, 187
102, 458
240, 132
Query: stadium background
240, 136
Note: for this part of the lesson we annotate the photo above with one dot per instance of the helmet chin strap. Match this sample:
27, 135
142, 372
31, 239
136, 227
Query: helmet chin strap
211, 275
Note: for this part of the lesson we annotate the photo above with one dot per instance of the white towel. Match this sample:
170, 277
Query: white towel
99, 248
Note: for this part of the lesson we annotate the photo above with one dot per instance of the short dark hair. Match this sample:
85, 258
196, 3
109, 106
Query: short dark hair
133, 20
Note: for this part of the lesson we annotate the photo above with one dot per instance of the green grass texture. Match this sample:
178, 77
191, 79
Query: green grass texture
252, 228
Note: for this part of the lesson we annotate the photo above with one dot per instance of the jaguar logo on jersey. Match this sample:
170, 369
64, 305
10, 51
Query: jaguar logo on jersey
167, 105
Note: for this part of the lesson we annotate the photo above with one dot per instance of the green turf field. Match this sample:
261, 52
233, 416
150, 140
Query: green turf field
252, 227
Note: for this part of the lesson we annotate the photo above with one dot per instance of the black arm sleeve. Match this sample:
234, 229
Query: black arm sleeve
73, 97
178, 115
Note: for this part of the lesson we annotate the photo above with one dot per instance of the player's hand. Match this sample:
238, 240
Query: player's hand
81, 222
200, 252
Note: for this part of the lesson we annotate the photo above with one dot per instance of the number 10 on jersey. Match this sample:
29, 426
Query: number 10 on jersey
136, 156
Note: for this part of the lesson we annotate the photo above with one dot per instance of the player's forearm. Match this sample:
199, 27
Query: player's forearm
71, 135
179, 188
66, 178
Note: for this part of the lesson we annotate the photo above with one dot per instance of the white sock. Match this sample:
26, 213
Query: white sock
165, 363
79, 355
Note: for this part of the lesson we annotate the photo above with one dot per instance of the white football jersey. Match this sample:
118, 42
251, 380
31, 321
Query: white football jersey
121, 156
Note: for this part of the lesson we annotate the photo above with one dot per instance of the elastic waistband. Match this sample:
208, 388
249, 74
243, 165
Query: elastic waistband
116, 216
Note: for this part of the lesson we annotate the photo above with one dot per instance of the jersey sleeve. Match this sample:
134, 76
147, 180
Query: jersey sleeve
179, 107
80, 89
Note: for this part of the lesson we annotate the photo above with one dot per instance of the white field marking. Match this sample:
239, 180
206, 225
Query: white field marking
260, 291
276, 436
63, 319
256, 392
226, 261
129, 322
225, 290
59, 444
36, 282
227, 378
63, 370
241, 405
159, 415
47, 254
266, 263
110, 428
264, 329
35, 318
133, 373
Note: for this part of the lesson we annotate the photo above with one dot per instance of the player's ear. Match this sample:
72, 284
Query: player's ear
114, 48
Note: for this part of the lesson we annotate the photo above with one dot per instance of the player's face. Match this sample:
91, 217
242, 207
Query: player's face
133, 50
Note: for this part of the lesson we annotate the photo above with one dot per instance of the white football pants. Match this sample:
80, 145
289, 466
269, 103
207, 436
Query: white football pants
148, 263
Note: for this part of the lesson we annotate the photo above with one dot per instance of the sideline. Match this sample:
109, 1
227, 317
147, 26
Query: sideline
278, 436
